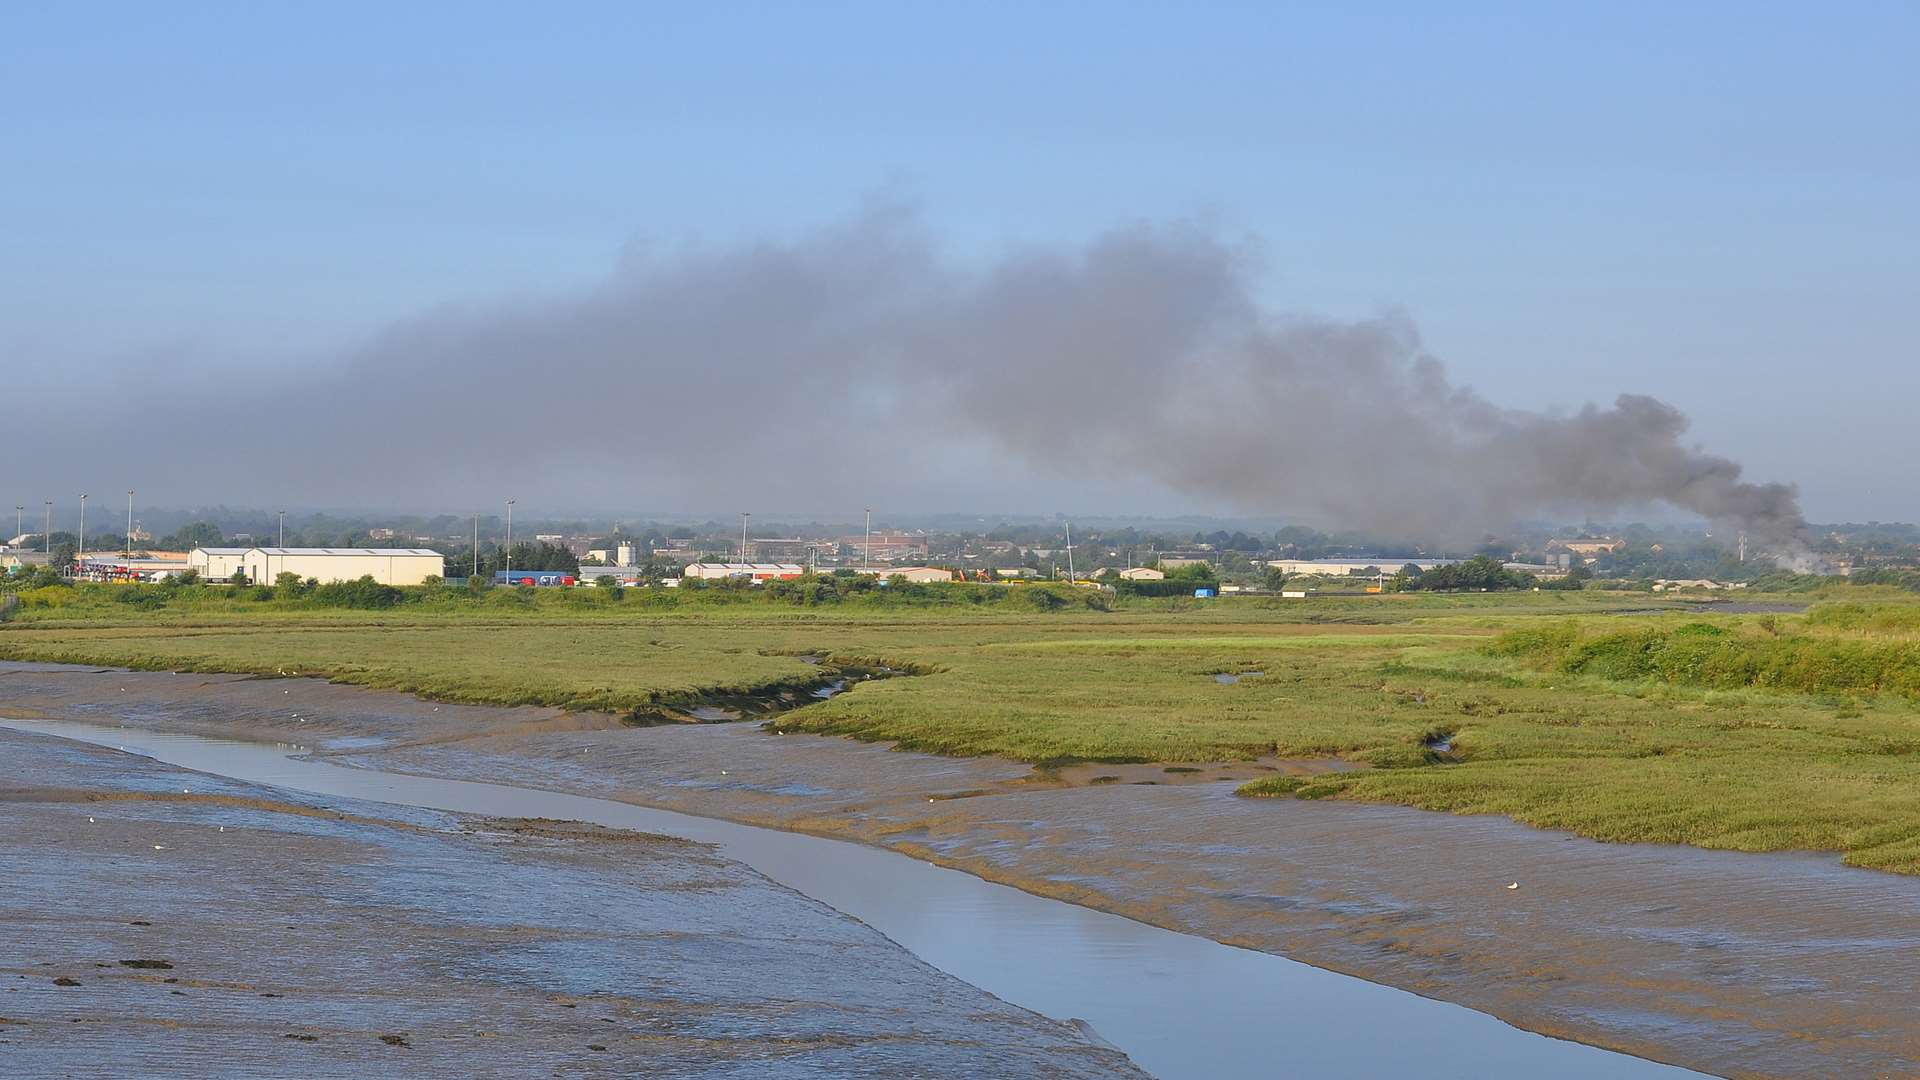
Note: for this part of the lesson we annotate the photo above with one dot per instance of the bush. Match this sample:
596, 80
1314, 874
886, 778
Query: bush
363, 593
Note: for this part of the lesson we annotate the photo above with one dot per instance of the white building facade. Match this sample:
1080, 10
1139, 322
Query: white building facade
388, 566
217, 563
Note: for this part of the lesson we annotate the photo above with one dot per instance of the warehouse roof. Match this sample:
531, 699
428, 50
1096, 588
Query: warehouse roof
224, 551
344, 551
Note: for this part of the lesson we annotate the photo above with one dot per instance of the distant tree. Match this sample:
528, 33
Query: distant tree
1198, 574
197, 534
1274, 580
1482, 572
63, 552
238, 577
288, 585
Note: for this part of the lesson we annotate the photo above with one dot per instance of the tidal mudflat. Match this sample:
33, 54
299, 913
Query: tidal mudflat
159, 921
1729, 963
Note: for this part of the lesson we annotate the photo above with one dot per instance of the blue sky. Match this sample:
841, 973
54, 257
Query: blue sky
1711, 203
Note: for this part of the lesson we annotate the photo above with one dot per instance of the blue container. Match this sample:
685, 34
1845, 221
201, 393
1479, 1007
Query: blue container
1202, 593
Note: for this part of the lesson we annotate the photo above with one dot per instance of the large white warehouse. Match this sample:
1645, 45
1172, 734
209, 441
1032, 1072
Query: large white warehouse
217, 563
388, 566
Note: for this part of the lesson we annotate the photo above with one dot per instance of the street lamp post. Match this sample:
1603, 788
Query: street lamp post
46, 536
866, 550
743, 537
283, 528
80, 557
476, 545
509, 541
129, 524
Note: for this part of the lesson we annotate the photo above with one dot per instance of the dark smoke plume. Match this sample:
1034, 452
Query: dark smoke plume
855, 358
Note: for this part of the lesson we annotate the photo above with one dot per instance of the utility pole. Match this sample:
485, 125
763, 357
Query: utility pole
743, 536
1743, 547
46, 537
866, 552
80, 557
283, 528
129, 524
476, 545
509, 541
1070, 574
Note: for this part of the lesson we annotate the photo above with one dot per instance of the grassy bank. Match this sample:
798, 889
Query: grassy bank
1601, 714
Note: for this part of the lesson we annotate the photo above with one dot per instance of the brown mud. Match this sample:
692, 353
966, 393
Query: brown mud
1731, 963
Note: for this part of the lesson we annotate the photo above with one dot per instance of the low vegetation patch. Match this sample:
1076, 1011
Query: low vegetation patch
1807, 656
1619, 717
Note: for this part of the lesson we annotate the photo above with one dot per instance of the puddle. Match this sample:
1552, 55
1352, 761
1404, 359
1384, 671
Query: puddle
354, 742
1230, 678
1179, 1005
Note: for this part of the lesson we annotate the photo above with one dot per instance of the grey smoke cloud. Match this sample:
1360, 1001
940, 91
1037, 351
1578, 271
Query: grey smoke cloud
860, 357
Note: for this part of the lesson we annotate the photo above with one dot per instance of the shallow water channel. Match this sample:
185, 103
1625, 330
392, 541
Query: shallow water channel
1179, 1005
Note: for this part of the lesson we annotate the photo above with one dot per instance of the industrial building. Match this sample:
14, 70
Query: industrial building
918, 575
216, 563
388, 566
754, 571
1344, 567
1142, 573
887, 546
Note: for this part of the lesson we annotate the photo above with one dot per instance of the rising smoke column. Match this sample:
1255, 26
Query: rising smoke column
858, 355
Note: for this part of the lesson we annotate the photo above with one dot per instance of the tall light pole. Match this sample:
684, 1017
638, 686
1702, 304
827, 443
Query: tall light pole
509, 541
19, 513
129, 524
46, 537
1070, 574
283, 528
80, 557
866, 550
743, 536
476, 545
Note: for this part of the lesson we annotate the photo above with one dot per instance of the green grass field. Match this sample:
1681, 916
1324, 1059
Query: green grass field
1598, 713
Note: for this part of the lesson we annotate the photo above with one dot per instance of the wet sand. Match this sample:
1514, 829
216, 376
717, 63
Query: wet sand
156, 921
1745, 965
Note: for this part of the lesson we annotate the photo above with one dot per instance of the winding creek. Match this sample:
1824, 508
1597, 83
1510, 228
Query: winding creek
1180, 1005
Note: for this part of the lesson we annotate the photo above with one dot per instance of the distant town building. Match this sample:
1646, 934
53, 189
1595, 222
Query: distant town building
1175, 562
625, 575
543, 579
1670, 585
388, 566
142, 566
217, 563
1142, 573
712, 571
919, 575
888, 546
1587, 546
1344, 567
14, 560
